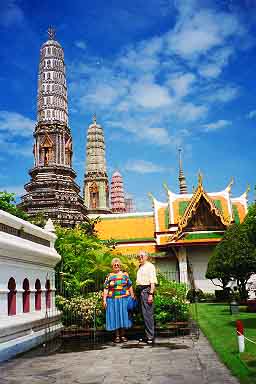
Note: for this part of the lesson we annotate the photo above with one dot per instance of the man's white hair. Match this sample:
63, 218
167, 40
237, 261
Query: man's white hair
142, 253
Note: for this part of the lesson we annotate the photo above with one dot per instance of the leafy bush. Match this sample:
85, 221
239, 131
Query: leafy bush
170, 302
195, 293
82, 311
209, 297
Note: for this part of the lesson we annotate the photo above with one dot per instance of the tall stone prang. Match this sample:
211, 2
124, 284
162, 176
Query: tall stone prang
96, 188
117, 193
182, 179
52, 190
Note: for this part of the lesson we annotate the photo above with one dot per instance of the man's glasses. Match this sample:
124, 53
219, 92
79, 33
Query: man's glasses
116, 265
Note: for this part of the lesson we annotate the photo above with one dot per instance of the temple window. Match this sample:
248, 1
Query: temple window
38, 295
26, 296
12, 297
48, 294
48, 75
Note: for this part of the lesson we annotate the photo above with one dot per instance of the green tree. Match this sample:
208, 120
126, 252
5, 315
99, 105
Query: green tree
89, 226
250, 223
218, 268
234, 257
85, 261
7, 203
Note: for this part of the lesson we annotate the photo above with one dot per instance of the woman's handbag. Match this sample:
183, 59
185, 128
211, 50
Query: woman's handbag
132, 304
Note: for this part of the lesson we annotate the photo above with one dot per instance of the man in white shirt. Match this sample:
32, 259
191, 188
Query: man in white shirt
146, 280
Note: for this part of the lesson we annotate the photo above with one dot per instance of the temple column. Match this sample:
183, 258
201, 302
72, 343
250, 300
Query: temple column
4, 301
183, 269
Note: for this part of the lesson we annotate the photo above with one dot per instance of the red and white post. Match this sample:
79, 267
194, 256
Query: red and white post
240, 335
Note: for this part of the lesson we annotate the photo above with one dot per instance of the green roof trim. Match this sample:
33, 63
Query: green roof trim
205, 235
102, 218
130, 239
218, 205
182, 207
166, 218
235, 214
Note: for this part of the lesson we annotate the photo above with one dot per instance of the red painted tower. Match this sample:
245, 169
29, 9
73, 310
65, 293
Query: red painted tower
117, 194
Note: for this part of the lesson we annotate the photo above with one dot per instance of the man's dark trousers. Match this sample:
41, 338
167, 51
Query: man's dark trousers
148, 313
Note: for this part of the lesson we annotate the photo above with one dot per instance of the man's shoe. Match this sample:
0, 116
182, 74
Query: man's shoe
150, 341
142, 340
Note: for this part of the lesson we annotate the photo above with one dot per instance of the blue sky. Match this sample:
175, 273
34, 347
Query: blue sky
158, 73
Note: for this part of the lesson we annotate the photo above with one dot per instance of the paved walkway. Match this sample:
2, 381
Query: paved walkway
170, 361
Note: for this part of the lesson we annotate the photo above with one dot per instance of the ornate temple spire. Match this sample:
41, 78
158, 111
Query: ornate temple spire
182, 179
117, 193
52, 190
96, 189
52, 103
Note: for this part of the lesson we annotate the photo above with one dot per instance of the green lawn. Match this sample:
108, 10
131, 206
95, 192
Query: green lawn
220, 328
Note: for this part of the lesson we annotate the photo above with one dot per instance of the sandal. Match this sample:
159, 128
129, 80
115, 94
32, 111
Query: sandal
124, 339
117, 340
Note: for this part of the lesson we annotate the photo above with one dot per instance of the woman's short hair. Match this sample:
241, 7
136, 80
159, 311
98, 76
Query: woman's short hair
115, 261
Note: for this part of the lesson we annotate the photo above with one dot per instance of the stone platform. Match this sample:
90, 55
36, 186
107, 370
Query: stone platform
170, 361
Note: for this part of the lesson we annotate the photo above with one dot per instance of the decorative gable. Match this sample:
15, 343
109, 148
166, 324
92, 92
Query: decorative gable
204, 218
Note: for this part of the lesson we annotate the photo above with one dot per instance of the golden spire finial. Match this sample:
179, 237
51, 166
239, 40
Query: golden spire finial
200, 178
247, 191
228, 189
94, 118
150, 195
166, 187
51, 33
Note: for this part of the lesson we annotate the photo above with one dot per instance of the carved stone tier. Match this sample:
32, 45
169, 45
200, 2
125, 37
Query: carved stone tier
53, 192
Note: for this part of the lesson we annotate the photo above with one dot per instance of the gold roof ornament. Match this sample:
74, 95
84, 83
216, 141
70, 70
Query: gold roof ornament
150, 195
228, 189
94, 118
247, 191
166, 187
200, 178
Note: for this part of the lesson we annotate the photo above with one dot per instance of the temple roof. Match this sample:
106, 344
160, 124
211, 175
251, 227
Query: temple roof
185, 219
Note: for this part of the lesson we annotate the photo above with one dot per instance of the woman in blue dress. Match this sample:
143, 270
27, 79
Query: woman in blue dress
117, 289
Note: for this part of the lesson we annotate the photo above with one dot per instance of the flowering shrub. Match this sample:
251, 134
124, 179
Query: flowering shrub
82, 311
170, 302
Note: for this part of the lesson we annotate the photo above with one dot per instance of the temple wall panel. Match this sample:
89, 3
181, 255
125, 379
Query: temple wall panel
130, 228
198, 258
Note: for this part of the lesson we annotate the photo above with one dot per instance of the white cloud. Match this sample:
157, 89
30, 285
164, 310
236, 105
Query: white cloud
199, 33
224, 95
181, 83
16, 124
191, 112
142, 166
216, 126
81, 44
150, 95
216, 62
251, 114
102, 95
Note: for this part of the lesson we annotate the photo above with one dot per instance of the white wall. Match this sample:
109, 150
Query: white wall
198, 258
